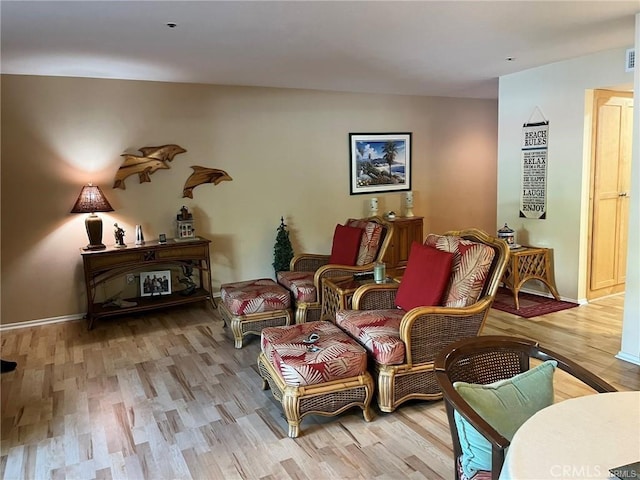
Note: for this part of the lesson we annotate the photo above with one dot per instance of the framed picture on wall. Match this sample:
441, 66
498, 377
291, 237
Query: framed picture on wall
155, 283
379, 162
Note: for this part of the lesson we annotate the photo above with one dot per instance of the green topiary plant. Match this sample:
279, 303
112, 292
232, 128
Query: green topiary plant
282, 250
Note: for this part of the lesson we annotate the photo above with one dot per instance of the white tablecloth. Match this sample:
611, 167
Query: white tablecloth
578, 438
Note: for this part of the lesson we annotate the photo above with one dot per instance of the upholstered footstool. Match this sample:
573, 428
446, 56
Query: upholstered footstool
248, 307
314, 368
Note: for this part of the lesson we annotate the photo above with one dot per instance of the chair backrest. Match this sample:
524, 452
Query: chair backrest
382, 241
498, 263
487, 359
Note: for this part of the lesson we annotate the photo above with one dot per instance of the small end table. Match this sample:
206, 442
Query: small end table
529, 263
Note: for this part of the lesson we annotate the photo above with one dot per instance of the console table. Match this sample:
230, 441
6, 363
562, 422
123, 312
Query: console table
529, 263
103, 265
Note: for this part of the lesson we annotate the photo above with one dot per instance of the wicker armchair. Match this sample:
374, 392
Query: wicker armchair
487, 359
423, 331
304, 280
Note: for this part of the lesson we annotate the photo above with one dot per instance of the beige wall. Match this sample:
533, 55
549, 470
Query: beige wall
287, 151
558, 90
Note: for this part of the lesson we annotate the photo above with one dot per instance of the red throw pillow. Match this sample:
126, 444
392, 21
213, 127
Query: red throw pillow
426, 277
346, 244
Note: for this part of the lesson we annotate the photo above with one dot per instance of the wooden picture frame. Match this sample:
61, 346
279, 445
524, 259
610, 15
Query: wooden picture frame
379, 162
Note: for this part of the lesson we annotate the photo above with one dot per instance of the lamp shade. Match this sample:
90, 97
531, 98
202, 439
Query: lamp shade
90, 200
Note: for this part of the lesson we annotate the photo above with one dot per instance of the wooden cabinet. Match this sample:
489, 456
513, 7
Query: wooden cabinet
406, 231
103, 265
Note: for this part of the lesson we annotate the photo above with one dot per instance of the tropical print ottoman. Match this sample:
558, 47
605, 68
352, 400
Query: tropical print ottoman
314, 368
252, 305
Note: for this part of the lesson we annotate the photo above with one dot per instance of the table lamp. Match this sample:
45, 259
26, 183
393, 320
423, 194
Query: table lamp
92, 200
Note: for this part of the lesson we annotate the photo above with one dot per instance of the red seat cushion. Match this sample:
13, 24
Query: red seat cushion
425, 279
300, 284
346, 245
378, 331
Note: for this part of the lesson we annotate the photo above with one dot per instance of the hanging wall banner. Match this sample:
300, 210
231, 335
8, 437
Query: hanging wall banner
533, 201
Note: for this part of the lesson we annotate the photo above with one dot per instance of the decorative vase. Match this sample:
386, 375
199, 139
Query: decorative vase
139, 235
508, 235
408, 204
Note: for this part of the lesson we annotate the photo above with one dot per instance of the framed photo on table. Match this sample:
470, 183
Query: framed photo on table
379, 162
155, 283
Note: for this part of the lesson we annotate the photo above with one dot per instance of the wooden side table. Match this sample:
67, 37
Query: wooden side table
529, 263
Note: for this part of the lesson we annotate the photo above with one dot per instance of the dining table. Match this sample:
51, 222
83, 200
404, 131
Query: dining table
580, 438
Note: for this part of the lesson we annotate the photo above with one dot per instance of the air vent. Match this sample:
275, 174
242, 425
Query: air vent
630, 60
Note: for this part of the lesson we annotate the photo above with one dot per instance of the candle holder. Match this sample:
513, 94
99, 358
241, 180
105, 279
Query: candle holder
373, 206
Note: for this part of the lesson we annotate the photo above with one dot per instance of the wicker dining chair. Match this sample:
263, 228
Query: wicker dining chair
487, 359
304, 278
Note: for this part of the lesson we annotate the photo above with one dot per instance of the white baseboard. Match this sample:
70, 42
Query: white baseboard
52, 320
582, 301
628, 358
41, 321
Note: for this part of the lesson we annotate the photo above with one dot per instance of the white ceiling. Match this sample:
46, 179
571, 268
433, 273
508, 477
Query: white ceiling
440, 48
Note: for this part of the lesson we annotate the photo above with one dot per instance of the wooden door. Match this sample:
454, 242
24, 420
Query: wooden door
610, 181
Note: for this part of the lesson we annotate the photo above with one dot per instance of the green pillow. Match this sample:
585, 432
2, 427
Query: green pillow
505, 405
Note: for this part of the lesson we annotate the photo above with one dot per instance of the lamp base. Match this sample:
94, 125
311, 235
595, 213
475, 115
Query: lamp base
102, 246
94, 232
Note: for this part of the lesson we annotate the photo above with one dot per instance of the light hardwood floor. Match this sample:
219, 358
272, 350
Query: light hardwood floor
165, 396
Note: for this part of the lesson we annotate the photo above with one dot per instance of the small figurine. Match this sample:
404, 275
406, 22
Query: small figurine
190, 286
119, 234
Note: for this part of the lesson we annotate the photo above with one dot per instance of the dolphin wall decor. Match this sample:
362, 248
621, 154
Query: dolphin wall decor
152, 160
202, 175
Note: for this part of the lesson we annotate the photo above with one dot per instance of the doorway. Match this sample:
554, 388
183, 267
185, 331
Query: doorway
612, 132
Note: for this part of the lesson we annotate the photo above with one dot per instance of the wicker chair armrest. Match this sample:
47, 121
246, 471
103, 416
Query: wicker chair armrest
375, 296
308, 262
335, 270
427, 330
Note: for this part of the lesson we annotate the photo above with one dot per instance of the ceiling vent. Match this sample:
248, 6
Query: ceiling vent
630, 60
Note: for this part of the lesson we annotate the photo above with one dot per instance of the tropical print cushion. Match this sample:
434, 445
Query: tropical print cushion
470, 266
254, 296
377, 330
337, 356
370, 241
300, 284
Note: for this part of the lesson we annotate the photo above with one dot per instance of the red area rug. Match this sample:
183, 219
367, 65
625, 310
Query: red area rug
530, 305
